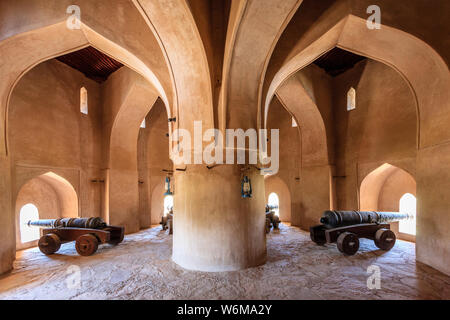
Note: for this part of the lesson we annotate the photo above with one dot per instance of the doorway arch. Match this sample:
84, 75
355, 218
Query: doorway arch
50, 196
275, 185
382, 46
382, 189
28, 212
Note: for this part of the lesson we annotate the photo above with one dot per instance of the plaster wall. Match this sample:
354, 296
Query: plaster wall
153, 159
433, 218
128, 98
382, 128
213, 232
286, 183
304, 163
48, 132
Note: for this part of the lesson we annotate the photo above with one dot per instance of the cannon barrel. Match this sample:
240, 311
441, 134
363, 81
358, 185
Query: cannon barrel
334, 219
84, 223
271, 207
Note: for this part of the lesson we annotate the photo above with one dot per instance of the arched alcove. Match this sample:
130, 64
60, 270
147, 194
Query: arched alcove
28, 212
49, 195
383, 46
153, 166
275, 185
382, 189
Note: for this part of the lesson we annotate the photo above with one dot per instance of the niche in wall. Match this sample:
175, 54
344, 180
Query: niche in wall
275, 186
48, 196
382, 190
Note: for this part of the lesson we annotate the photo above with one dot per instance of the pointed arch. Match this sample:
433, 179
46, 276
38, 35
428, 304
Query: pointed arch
22, 52
274, 184
53, 197
294, 98
351, 33
382, 188
184, 52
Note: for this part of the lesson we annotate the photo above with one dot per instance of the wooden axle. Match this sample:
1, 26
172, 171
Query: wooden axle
347, 237
86, 240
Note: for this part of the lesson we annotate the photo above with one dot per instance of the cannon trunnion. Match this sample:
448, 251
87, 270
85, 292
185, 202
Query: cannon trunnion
345, 228
87, 233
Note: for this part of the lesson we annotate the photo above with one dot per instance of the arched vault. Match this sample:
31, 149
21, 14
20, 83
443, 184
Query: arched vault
352, 34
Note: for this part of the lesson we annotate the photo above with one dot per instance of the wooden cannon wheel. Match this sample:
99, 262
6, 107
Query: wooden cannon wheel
86, 244
49, 243
385, 239
348, 243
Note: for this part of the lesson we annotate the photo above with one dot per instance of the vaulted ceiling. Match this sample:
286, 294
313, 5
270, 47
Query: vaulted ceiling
337, 61
92, 63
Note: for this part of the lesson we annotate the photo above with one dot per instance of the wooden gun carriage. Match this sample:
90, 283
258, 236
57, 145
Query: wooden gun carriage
87, 233
272, 220
345, 228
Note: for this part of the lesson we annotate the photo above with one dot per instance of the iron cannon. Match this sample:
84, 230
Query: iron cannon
87, 233
347, 227
167, 221
272, 220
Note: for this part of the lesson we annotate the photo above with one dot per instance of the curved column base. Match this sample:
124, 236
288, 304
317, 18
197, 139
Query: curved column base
215, 229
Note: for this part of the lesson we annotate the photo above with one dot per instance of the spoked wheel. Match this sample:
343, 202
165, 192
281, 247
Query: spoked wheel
348, 243
385, 239
86, 245
49, 243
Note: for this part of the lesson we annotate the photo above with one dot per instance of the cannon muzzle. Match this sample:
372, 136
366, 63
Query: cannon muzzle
334, 219
84, 223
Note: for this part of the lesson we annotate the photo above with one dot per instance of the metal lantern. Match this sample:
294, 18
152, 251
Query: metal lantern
246, 187
168, 187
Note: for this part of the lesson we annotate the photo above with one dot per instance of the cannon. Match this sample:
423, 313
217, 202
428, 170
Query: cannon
347, 227
167, 221
272, 220
87, 233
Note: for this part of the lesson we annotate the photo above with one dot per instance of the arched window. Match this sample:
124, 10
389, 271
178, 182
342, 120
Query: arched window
274, 201
168, 204
28, 212
408, 205
351, 99
83, 100
143, 124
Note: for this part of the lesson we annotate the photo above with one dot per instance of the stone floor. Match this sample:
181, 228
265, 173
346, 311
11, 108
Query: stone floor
140, 268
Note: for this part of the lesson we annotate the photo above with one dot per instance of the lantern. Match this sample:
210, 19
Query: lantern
168, 187
246, 187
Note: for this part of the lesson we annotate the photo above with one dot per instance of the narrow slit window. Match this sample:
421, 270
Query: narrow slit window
143, 124
83, 100
351, 99
294, 123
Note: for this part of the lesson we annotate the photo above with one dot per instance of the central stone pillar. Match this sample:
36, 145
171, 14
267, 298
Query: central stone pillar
215, 229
